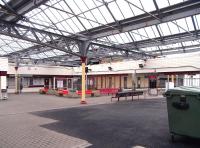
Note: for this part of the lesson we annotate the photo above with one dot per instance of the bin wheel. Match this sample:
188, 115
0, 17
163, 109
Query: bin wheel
173, 138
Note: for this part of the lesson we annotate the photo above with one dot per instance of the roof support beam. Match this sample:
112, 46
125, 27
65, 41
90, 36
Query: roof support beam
20, 7
194, 25
166, 40
170, 13
49, 39
187, 49
171, 39
126, 50
37, 36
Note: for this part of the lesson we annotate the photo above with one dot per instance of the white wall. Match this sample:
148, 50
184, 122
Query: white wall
178, 64
189, 63
40, 70
33, 89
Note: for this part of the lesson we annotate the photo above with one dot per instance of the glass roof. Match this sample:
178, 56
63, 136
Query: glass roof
10, 44
151, 32
69, 17
73, 16
2, 2
47, 54
177, 46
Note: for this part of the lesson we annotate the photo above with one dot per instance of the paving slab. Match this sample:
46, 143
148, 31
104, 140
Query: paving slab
45, 121
124, 124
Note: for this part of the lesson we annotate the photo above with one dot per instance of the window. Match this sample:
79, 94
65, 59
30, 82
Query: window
31, 82
101, 82
152, 82
110, 82
96, 83
64, 83
69, 83
138, 82
125, 82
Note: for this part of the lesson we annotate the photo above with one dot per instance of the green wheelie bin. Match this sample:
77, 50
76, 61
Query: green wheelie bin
183, 105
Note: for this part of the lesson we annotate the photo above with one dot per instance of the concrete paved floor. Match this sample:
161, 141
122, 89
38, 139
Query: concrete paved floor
41, 121
19, 128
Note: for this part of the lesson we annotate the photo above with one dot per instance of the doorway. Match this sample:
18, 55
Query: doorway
152, 82
46, 82
69, 84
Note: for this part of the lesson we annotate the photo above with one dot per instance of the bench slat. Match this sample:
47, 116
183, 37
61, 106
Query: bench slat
127, 93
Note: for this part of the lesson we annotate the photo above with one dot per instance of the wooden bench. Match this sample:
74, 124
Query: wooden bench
126, 94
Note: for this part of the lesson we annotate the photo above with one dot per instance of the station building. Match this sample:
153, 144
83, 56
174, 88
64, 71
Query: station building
126, 74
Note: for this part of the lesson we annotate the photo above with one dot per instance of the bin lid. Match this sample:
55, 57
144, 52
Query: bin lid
184, 90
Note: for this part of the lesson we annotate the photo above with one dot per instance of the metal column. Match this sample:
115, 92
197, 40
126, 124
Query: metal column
83, 101
83, 48
54, 83
16, 80
134, 80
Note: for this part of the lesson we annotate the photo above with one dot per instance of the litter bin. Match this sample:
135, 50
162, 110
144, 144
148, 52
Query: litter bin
183, 105
3, 94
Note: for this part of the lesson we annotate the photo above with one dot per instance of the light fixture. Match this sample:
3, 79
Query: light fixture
110, 68
141, 65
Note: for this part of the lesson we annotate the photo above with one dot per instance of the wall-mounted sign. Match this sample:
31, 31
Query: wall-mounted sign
152, 77
3, 73
60, 83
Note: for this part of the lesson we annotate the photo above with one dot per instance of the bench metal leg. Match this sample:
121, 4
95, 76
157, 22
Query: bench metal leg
118, 98
138, 97
132, 97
